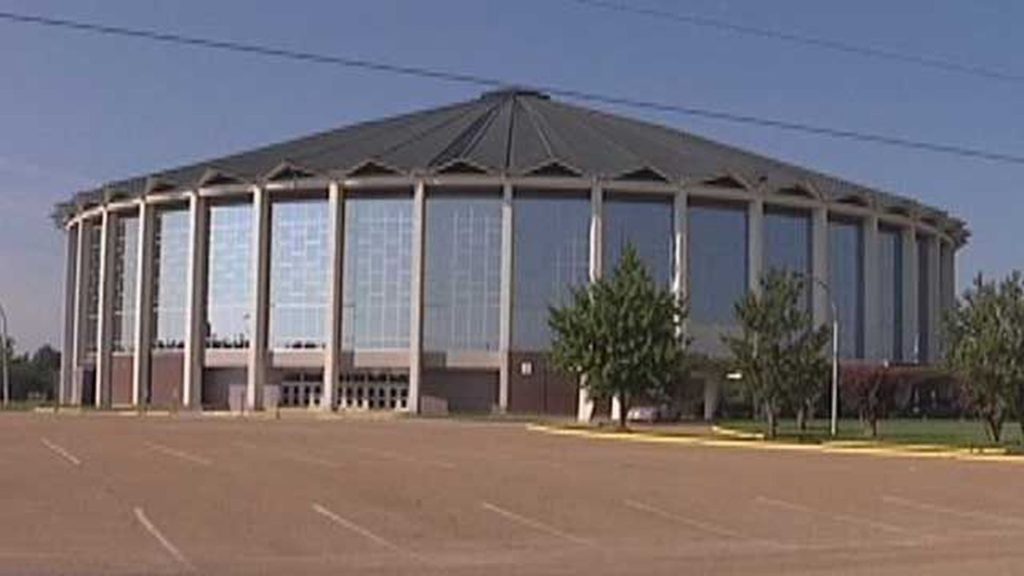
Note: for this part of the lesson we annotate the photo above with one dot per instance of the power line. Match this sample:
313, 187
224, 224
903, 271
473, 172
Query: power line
807, 40
477, 80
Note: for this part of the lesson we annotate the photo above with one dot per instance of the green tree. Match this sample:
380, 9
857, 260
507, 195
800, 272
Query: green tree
33, 375
779, 352
1012, 295
622, 336
985, 334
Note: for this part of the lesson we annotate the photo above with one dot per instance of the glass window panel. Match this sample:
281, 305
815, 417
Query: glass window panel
947, 288
787, 245
552, 253
644, 222
126, 245
845, 279
170, 277
229, 295
890, 297
299, 274
377, 272
462, 290
93, 237
717, 262
924, 280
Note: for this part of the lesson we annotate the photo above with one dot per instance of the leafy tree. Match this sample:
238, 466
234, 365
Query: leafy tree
779, 352
875, 390
1012, 295
622, 336
34, 374
985, 333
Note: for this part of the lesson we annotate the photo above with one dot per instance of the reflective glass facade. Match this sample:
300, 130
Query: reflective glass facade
717, 262
462, 282
787, 245
377, 272
93, 238
551, 254
229, 287
126, 246
846, 281
890, 293
924, 278
646, 223
299, 274
170, 277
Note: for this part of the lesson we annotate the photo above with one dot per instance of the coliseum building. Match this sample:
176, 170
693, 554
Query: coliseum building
408, 263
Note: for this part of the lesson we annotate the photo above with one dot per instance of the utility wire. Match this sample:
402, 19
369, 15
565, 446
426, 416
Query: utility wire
491, 82
806, 40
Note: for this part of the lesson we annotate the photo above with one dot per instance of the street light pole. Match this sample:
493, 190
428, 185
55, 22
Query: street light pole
3, 358
834, 424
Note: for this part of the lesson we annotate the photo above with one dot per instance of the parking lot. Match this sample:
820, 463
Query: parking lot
106, 494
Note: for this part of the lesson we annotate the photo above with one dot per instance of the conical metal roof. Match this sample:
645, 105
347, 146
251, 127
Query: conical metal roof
510, 132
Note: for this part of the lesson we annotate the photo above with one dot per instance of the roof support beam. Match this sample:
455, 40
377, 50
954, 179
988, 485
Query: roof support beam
67, 360
911, 348
820, 306
505, 322
143, 306
336, 255
585, 404
755, 244
259, 312
872, 321
78, 349
416, 294
195, 312
105, 314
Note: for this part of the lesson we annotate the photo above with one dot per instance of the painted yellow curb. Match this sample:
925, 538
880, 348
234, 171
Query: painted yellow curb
875, 449
733, 433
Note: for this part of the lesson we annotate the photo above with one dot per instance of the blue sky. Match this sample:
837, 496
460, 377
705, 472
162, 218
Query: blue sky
78, 110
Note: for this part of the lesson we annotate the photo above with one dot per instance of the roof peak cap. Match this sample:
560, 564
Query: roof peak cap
514, 92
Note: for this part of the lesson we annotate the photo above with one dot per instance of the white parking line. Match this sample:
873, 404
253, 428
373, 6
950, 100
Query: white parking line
61, 452
171, 549
845, 518
535, 524
970, 514
697, 524
397, 457
179, 454
352, 526
288, 455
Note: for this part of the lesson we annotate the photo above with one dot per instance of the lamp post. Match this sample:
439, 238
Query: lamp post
3, 358
834, 425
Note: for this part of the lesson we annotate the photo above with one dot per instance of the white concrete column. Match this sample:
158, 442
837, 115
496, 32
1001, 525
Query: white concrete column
910, 323
105, 316
680, 203
585, 405
505, 334
821, 307
195, 312
143, 304
259, 311
78, 316
416, 306
755, 244
336, 255
67, 367
872, 305
934, 301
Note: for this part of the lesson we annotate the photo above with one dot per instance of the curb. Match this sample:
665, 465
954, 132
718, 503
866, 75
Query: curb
855, 448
